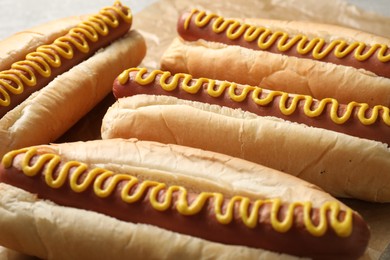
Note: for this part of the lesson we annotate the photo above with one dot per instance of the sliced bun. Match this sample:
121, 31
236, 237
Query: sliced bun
217, 171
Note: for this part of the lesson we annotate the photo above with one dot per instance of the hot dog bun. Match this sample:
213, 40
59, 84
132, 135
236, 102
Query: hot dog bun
42, 228
320, 79
342, 165
49, 112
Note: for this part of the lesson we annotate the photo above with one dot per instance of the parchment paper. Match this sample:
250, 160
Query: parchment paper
158, 25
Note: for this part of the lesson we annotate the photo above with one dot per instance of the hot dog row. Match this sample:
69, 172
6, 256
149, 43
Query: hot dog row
133, 187
217, 154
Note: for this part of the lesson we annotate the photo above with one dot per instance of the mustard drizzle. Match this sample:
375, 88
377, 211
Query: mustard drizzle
47, 57
265, 38
170, 82
96, 177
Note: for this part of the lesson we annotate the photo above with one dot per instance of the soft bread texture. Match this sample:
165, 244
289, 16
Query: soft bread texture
18, 45
177, 164
342, 165
276, 72
44, 229
50, 112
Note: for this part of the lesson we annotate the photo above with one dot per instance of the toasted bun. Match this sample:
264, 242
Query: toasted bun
342, 165
48, 113
49, 231
18, 45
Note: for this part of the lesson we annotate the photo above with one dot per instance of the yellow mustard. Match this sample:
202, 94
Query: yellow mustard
47, 57
265, 38
105, 182
170, 82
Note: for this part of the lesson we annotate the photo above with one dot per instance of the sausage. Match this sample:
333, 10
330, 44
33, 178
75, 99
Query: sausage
353, 119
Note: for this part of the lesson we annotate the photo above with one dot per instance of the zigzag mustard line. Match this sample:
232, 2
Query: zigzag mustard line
170, 82
105, 183
47, 57
265, 38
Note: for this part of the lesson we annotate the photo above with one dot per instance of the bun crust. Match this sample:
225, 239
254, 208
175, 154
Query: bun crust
74, 228
342, 165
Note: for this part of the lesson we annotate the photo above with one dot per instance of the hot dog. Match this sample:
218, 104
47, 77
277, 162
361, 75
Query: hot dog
167, 200
18, 45
325, 143
355, 119
313, 59
44, 94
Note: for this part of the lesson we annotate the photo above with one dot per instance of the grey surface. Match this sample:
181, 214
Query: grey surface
377, 6
17, 15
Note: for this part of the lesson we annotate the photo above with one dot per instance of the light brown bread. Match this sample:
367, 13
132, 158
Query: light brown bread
50, 112
342, 165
